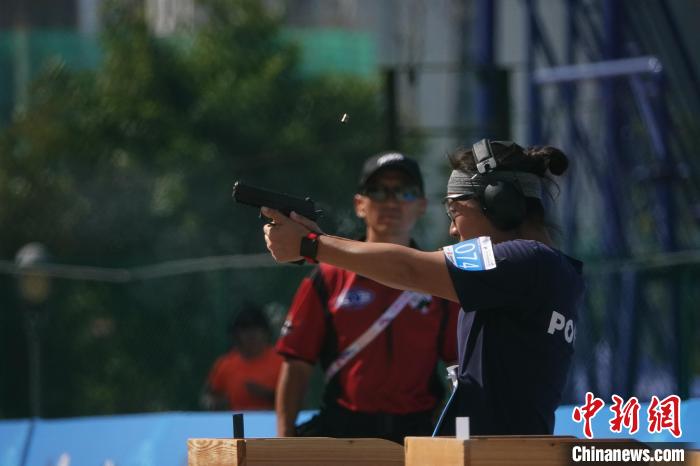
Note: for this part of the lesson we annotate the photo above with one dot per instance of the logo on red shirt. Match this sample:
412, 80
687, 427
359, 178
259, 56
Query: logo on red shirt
355, 298
286, 328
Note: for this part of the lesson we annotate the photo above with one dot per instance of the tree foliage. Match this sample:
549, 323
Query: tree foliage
133, 163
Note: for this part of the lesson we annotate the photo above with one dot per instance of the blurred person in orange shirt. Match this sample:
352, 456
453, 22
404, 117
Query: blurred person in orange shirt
245, 378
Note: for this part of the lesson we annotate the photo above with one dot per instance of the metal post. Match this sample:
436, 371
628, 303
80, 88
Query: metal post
569, 198
483, 59
392, 113
533, 93
34, 288
667, 225
569, 92
238, 427
627, 344
666, 169
612, 225
34, 360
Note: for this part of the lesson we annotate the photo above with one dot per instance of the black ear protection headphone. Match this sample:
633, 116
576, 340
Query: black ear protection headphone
502, 201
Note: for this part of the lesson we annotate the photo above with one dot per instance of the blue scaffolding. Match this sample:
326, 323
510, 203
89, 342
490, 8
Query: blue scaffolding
620, 100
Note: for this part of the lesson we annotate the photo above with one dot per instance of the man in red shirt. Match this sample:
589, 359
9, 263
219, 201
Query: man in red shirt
381, 378
245, 377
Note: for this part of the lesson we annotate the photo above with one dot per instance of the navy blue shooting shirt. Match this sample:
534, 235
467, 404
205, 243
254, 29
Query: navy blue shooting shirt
515, 334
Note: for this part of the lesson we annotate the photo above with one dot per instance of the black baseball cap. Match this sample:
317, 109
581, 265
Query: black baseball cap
394, 161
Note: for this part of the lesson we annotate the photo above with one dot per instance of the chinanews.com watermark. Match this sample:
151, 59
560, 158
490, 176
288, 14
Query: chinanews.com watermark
618, 453
661, 415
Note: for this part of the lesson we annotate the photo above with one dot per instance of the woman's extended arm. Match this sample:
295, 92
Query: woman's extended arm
393, 265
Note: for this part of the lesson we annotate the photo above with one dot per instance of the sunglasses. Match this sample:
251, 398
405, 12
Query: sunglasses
400, 193
450, 200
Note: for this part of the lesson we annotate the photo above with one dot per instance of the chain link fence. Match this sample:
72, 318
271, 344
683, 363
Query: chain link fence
146, 344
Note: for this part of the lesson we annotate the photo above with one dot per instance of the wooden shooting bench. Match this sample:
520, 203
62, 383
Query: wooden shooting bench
419, 451
297, 451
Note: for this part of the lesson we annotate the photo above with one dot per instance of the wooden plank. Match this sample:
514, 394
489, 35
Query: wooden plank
487, 451
438, 451
692, 457
500, 451
312, 451
215, 452
522, 451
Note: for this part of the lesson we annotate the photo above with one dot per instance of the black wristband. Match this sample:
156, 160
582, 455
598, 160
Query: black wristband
309, 247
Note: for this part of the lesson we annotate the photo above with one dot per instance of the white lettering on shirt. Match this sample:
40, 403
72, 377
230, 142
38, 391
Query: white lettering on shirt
559, 322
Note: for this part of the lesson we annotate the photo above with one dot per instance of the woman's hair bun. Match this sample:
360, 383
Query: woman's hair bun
549, 158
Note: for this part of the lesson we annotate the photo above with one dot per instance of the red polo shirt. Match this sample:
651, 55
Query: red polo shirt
232, 373
392, 373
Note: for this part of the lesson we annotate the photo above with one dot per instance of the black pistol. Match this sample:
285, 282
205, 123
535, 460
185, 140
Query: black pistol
256, 197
